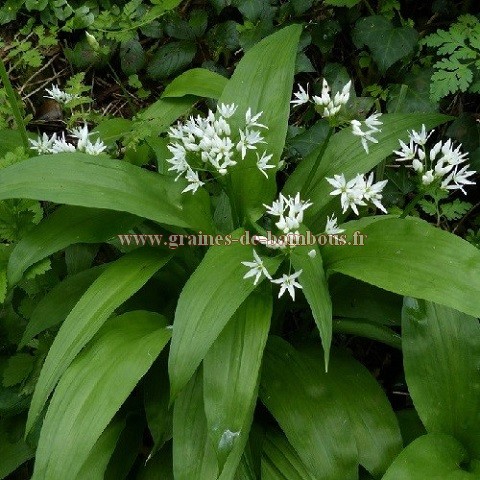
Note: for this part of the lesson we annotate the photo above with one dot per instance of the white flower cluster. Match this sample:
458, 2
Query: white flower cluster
44, 144
331, 228
59, 95
287, 282
371, 123
441, 163
331, 106
358, 191
206, 143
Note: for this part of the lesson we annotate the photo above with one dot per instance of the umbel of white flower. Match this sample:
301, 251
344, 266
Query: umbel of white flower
358, 191
210, 144
328, 106
55, 144
441, 164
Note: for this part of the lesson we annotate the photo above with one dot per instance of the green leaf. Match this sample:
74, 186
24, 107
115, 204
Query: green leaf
66, 226
373, 422
132, 56
13, 449
156, 395
366, 329
345, 154
83, 180
313, 418
93, 388
54, 307
342, 3
441, 354
262, 81
231, 370
159, 467
193, 453
17, 369
315, 289
280, 461
431, 457
206, 304
171, 59
197, 81
117, 283
96, 463
411, 257
354, 299
396, 42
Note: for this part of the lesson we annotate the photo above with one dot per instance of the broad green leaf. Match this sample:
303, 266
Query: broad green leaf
441, 355
209, 299
230, 373
374, 425
117, 283
411, 257
364, 328
345, 154
309, 411
66, 226
262, 81
159, 467
354, 299
83, 180
396, 42
197, 81
93, 388
96, 463
156, 396
431, 457
17, 368
13, 449
112, 129
132, 56
315, 289
193, 452
280, 461
410, 425
54, 307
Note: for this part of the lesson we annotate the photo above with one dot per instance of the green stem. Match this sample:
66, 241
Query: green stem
12, 99
233, 206
412, 204
317, 161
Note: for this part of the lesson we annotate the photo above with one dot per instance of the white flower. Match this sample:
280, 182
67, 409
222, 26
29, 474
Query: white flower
357, 191
407, 152
257, 268
312, 253
301, 97
278, 206
331, 228
372, 122
82, 134
420, 138
331, 106
262, 163
43, 144
459, 179
195, 182
248, 140
251, 121
60, 145
428, 177
288, 282
95, 148
59, 95
225, 110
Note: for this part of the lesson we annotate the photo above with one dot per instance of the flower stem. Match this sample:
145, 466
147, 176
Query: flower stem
412, 204
14, 105
317, 161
